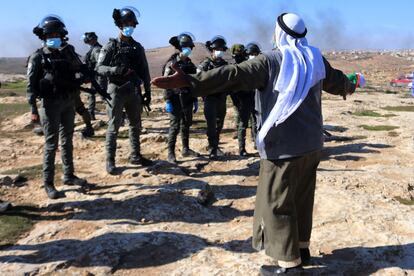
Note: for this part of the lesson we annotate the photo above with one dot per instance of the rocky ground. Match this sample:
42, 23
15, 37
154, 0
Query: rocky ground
149, 221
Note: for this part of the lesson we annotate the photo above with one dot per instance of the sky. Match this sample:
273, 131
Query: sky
332, 24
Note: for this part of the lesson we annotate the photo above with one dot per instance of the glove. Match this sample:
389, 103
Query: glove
168, 106
147, 98
195, 106
35, 118
35, 114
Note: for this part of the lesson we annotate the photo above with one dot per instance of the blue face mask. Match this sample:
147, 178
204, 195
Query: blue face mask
186, 51
54, 43
127, 31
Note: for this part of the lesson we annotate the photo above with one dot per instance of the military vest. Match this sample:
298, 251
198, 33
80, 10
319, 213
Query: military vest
126, 55
58, 75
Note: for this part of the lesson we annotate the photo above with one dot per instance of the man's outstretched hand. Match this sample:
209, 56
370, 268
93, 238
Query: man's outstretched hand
178, 80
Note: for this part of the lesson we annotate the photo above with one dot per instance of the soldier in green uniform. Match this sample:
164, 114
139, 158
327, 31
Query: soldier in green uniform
51, 74
123, 62
215, 104
290, 137
179, 102
243, 101
252, 51
91, 58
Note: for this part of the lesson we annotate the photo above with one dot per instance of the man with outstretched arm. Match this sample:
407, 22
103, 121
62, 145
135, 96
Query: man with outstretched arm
289, 80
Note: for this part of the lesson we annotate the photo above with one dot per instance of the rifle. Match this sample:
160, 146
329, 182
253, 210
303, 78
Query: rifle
136, 80
89, 74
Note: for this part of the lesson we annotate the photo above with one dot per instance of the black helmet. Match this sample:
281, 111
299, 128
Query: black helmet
237, 50
217, 42
50, 24
126, 14
183, 40
253, 49
89, 36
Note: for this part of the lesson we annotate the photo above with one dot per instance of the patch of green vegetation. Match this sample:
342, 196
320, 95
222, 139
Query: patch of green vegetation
405, 201
31, 172
390, 92
18, 85
123, 134
393, 134
12, 227
13, 109
401, 108
406, 96
13, 89
378, 127
369, 113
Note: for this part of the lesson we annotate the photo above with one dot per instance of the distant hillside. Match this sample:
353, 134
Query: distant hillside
12, 65
379, 66
156, 59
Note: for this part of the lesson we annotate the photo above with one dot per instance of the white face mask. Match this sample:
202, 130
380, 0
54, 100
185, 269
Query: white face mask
218, 54
252, 57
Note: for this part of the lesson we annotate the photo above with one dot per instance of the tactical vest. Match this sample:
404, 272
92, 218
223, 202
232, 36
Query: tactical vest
58, 75
125, 55
187, 66
211, 64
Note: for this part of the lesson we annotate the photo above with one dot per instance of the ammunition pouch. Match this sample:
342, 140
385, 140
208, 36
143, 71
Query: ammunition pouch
46, 89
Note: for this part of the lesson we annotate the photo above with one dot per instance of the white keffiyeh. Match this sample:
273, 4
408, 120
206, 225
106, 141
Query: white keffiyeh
302, 67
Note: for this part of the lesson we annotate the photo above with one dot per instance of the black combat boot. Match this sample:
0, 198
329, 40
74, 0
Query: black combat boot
110, 166
213, 154
187, 152
171, 157
74, 180
268, 270
140, 160
51, 192
88, 132
243, 153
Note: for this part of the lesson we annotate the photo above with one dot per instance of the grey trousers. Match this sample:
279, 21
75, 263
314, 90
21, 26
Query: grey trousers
214, 112
57, 117
284, 206
129, 100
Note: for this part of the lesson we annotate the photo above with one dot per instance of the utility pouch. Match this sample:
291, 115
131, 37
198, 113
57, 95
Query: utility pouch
46, 89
